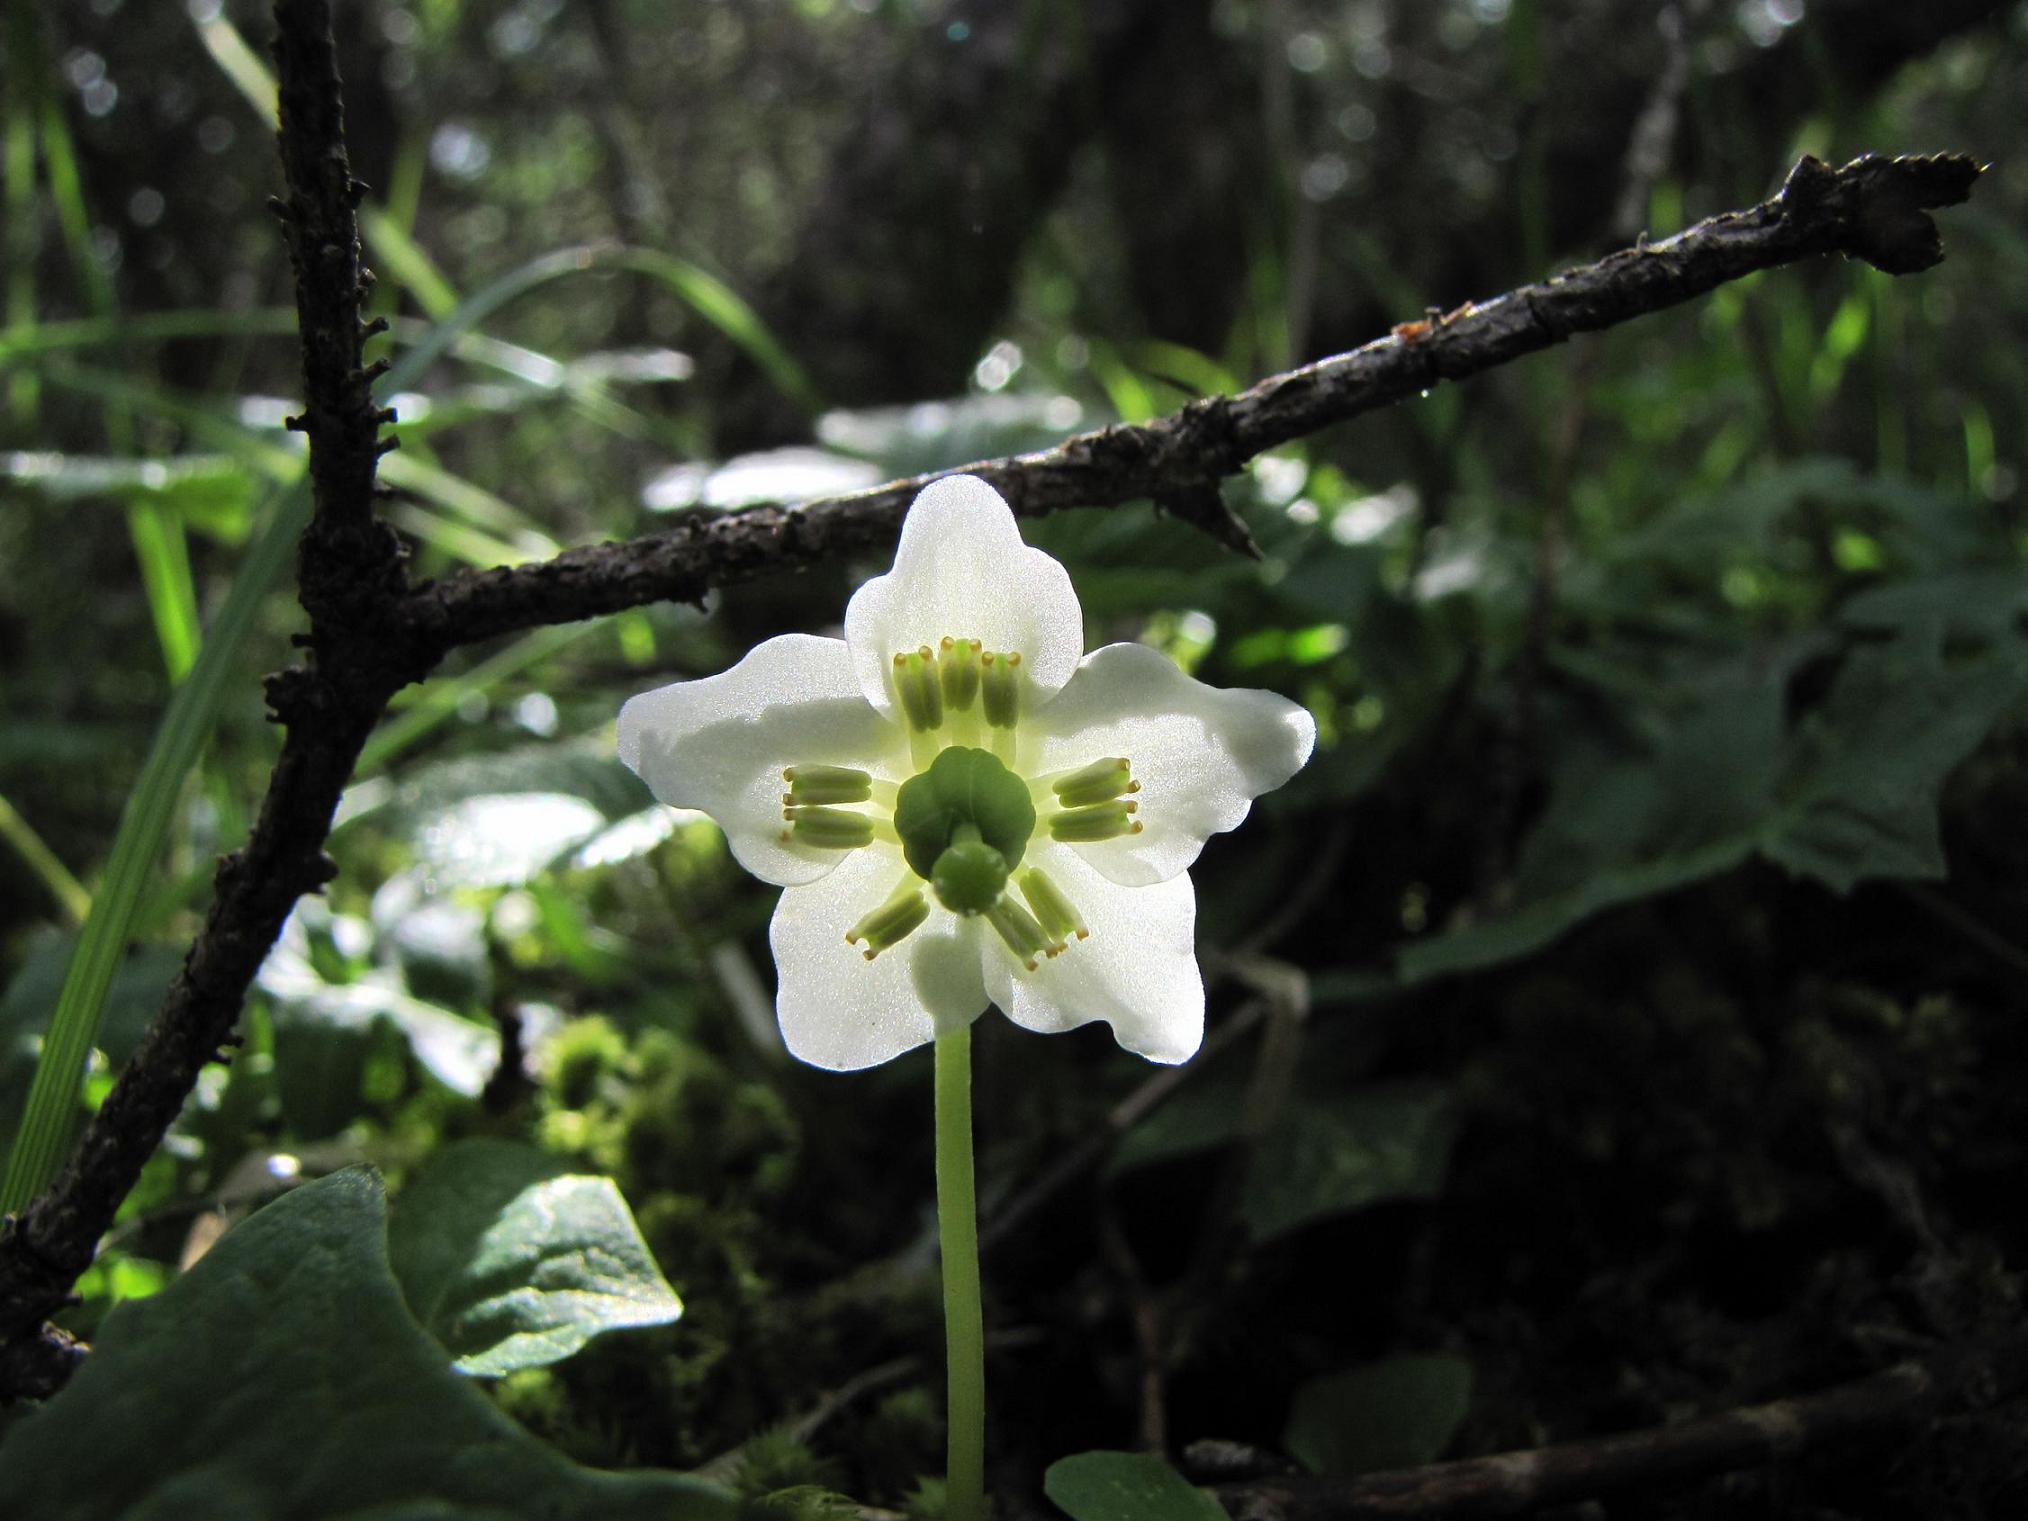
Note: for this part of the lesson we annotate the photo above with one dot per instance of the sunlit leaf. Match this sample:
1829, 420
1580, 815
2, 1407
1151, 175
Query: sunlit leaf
511, 1261
282, 1376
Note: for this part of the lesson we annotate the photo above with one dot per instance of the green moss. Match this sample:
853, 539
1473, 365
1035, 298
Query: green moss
777, 1461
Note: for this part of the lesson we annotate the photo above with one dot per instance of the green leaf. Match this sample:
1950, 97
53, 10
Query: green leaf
282, 1377
1371, 1146
1848, 793
323, 1029
1869, 765
1398, 1413
1126, 1486
512, 1262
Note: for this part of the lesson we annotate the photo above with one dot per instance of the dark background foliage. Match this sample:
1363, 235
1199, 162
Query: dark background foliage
1627, 1000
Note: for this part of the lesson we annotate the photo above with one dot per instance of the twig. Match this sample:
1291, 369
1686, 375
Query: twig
369, 635
1512, 1483
1873, 209
350, 576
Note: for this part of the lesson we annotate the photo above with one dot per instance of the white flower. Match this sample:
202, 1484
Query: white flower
963, 807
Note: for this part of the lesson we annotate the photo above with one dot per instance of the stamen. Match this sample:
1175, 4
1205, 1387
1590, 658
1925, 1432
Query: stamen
827, 784
960, 669
917, 689
892, 922
1059, 919
828, 828
1100, 782
1106, 821
1000, 685
1019, 930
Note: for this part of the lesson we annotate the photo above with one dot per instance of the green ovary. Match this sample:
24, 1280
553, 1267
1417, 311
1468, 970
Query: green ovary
964, 824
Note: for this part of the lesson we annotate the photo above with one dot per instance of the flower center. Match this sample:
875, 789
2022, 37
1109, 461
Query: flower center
965, 819
964, 824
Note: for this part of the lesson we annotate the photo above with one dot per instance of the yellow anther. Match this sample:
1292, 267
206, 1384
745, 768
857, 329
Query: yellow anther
1018, 929
1102, 821
892, 922
1100, 782
1000, 686
828, 828
826, 784
1059, 919
917, 689
959, 661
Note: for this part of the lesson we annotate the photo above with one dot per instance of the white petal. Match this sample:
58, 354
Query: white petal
962, 571
1137, 971
1200, 753
841, 1011
720, 744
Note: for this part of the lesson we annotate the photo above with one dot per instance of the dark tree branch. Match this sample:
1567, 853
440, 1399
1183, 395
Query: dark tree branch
369, 635
1511, 1483
350, 577
1873, 209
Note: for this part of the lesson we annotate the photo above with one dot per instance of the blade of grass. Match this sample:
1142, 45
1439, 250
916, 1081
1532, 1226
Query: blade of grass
144, 823
68, 892
164, 552
25, 82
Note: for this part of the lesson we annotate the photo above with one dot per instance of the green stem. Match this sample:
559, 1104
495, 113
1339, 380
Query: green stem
958, 1235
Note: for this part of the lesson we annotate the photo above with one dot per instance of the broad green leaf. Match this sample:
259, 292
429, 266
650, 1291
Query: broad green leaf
512, 1262
501, 819
1848, 793
1126, 1486
936, 435
282, 1376
1371, 1146
323, 1030
1398, 1413
1870, 763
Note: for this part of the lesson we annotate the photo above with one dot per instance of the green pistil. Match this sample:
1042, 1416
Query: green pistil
1100, 782
970, 874
960, 668
1000, 686
962, 787
1059, 920
918, 690
892, 922
1084, 826
826, 784
828, 828
1018, 928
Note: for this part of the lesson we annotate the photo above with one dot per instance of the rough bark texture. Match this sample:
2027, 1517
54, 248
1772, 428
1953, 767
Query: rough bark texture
1871, 209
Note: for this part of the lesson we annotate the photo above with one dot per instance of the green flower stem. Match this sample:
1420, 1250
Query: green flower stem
958, 1235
